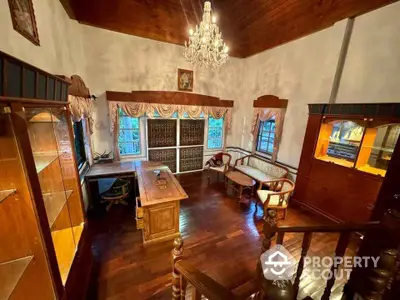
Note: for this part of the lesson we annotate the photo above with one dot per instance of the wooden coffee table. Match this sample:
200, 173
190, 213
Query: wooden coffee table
238, 182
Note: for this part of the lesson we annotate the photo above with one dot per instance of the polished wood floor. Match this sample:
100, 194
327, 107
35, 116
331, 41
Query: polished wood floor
221, 237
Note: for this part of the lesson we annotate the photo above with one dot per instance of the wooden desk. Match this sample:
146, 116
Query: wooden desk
158, 206
108, 170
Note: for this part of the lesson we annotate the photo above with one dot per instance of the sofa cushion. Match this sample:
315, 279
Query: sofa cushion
255, 173
274, 199
267, 167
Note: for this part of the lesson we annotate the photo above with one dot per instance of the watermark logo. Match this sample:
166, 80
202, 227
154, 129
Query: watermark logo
278, 264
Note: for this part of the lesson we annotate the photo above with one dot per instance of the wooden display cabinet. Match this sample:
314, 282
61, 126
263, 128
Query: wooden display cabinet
41, 211
346, 152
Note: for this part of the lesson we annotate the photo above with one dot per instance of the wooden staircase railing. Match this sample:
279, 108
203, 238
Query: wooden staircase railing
378, 281
183, 272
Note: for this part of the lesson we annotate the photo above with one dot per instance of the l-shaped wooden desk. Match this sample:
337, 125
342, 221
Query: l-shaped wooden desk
158, 202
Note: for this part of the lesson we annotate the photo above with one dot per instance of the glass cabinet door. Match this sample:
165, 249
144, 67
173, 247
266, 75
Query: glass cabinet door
339, 142
68, 172
377, 149
47, 155
24, 271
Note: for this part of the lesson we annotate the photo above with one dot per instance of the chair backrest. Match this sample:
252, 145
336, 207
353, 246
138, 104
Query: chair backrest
226, 158
284, 189
267, 167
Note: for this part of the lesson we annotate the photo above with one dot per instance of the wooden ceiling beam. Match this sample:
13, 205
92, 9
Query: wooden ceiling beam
165, 97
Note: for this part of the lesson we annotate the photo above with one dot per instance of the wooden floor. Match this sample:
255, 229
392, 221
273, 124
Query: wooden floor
221, 237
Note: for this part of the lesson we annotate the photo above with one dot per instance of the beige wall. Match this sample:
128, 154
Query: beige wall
60, 50
120, 62
372, 68
301, 71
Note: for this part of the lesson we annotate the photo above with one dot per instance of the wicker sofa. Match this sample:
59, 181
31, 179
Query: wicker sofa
259, 169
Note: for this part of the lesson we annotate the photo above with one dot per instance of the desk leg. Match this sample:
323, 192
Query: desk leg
93, 193
240, 192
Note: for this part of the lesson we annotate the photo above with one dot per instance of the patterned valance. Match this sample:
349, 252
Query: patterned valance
137, 110
81, 108
265, 114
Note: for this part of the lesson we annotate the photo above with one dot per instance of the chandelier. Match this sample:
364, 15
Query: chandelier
206, 47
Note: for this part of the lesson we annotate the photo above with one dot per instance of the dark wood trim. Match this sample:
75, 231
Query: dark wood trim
270, 101
71, 134
263, 158
357, 110
80, 274
29, 101
331, 228
22, 136
167, 97
7, 57
77, 86
315, 210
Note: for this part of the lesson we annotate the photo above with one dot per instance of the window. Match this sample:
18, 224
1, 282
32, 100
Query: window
266, 136
215, 133
129, 135
79, 144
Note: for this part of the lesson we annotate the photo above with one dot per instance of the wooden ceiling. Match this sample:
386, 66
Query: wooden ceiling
248, 26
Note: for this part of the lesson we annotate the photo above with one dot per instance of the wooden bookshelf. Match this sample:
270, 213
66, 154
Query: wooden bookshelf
10, 274
6, 193
54, 203
42, 160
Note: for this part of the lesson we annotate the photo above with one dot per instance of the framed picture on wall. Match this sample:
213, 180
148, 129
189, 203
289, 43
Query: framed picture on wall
23, 19
185, 80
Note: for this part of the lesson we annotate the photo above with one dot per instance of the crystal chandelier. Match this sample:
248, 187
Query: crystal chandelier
206, 47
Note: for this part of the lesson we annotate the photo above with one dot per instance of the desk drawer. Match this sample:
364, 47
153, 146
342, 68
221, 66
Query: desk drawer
139, 208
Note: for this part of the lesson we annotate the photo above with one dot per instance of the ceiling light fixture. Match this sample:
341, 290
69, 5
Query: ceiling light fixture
206, 47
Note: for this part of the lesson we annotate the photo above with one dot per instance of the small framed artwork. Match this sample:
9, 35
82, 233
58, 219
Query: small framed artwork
23, 19
185, 80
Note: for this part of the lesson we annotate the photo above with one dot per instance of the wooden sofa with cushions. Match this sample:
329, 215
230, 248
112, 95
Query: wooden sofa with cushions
259, 169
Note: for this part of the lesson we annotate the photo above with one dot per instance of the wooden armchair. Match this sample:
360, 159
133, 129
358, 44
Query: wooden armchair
226, 158
278, 195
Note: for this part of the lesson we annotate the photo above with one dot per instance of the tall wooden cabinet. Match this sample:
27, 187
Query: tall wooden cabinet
41, 211
347, 151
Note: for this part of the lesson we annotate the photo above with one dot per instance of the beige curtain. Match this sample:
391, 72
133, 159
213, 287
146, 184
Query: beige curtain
266, 114
81, 108
137, 110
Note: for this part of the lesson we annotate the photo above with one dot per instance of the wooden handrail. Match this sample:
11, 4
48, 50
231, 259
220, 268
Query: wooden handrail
330, 228
204, 284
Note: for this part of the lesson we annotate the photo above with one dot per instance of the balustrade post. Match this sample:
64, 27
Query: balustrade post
269, 289
177, 254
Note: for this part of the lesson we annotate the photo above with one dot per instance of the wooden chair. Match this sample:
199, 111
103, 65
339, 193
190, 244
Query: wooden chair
117, 194
278, 195
226, 158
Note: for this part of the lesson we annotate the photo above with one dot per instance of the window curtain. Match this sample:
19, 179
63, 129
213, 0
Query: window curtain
137, 110
266, 114
81, 108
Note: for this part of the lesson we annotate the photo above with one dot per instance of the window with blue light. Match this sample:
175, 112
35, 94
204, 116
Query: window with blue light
266, 137
215, 138
129, 135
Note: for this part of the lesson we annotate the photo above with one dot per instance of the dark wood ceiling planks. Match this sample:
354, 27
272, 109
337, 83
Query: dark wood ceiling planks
248, 26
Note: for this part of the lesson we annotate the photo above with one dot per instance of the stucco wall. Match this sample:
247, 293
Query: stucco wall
120, 62
372, 68
60, 50
302, 72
